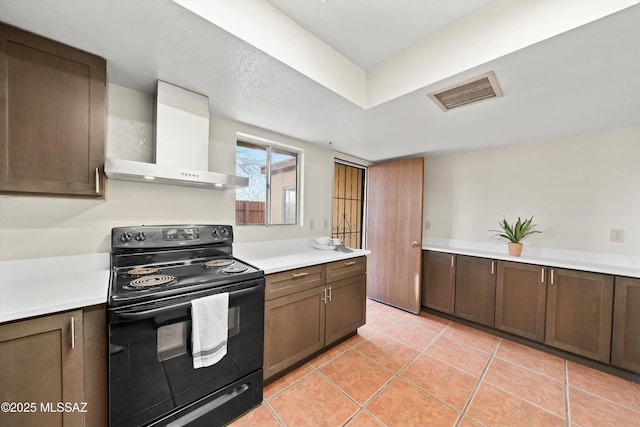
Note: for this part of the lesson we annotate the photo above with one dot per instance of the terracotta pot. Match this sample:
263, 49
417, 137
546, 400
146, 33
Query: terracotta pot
515, 249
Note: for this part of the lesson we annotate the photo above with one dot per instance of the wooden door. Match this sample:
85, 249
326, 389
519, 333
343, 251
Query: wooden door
53, 117
394, 233
438, 281
625, 348
521, 298
41, 362
346, 307
293, 329
579, 312
475, 289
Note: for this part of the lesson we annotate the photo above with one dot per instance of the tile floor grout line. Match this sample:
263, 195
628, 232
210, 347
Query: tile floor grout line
480, 378
512, 362
293, 383
567, 408
275, 414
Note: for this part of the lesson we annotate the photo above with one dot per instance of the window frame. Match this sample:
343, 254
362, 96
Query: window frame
270, 145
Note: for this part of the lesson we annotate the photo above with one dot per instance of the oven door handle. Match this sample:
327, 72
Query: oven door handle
144, 314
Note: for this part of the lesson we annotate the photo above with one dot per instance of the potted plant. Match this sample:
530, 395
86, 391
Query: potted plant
516, 232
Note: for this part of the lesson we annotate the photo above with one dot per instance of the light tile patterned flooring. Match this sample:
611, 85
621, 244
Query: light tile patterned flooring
407, 370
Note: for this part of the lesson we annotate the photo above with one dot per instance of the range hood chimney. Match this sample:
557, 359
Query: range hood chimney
181, 132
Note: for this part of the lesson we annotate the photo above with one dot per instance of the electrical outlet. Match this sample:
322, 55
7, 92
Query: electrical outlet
617, 235
427, 225
311, 224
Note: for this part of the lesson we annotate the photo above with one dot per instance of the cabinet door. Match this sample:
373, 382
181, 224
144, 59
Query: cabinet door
579, 312
345, 308
521, 296
625, 348
475, 289
41, 361
438, 281
294, 329
52, 117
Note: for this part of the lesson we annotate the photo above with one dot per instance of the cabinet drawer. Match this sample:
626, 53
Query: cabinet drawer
339, 270
290, 281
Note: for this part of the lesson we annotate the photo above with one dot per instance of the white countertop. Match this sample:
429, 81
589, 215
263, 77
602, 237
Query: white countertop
280, 255
619, 265
35, 287
40, 286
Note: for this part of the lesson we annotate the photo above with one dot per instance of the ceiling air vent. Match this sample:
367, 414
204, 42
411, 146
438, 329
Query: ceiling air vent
476, 89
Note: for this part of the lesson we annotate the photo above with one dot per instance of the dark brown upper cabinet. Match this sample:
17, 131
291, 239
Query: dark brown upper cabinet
52, 117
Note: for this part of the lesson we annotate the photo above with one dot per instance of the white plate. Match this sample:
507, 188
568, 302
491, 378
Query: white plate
324, 247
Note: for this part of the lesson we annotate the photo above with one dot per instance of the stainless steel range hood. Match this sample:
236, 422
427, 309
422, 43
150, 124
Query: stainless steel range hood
181, 131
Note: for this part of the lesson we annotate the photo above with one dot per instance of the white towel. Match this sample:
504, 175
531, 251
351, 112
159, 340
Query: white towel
209, 320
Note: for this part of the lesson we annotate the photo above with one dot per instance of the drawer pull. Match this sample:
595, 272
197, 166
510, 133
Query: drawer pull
552, 277
348, 263
301, 274
542, 278
451, 261
493, 267
97, 181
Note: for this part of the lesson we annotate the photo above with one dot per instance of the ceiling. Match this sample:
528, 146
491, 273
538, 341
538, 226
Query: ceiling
577, 82
369, 32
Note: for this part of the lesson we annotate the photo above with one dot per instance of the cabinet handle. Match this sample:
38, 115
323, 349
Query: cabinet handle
302, 274
329, 297
73, 332
552, 277
452, 261
97, 181
542, 275
348, 263
493, 267
324, 295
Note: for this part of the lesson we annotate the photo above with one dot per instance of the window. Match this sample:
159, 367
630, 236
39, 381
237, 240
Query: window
348, 204
271, 197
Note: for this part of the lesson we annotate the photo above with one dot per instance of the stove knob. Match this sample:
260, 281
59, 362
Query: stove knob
125, 237
214, 233
225, 232
140, 237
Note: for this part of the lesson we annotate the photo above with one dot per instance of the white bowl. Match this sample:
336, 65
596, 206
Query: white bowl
324, 247
323, 241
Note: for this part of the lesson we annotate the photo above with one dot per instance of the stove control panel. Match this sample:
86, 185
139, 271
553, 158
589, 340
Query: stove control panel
169, 236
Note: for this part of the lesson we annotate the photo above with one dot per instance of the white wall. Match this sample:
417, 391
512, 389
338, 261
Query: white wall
578, 189
33, 227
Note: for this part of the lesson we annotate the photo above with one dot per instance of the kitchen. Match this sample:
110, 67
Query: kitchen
603, 180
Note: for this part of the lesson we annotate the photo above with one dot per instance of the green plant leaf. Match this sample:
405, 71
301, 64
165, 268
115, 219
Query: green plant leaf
515, 232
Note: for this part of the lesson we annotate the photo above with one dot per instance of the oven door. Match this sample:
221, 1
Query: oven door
151, 374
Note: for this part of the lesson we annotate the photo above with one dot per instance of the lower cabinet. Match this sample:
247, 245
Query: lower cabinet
438, 281
52, 360
625, 347
300, 321
346, 307
293, 329
521, 295
567, 309
579, 312
41, 363
475, 289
